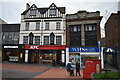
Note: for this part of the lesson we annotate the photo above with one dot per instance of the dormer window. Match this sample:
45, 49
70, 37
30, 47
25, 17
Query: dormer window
33, 12
52, 12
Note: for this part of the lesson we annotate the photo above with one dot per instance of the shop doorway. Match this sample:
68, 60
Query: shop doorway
47, 56
35, 57
74, 57
10, 55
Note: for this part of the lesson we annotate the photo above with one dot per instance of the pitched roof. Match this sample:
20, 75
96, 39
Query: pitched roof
43, 10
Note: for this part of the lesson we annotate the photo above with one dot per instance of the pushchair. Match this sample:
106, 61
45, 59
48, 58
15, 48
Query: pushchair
72, 72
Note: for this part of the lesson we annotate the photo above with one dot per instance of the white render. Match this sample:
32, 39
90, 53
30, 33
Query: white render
42, 32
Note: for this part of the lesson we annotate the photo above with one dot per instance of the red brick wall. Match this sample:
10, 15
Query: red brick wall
111, 31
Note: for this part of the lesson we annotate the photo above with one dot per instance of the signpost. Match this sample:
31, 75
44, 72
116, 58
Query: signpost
108, 50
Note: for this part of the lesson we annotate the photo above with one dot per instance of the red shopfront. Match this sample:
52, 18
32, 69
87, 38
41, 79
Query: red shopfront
44, 53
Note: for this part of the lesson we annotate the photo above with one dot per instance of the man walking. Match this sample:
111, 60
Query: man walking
78, 68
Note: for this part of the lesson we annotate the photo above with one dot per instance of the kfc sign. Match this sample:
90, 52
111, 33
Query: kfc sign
45, 47
34, 47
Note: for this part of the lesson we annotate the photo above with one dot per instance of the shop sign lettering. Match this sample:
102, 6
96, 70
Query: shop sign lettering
13, 58
10, 46
34, 47
84, 49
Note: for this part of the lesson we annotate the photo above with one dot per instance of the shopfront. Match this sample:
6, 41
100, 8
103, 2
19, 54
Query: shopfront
80, 53
12, 53
42, 54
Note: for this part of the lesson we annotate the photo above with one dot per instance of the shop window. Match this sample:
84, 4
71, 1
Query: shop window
25, 39
58, 40
37, 39
46, 40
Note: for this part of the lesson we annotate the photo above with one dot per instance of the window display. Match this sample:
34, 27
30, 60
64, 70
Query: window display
74, 57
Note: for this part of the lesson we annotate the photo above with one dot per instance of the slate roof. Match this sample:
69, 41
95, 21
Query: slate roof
10, 27
43, 10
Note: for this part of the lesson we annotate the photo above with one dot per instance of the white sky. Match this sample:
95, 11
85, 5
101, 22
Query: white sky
10, 10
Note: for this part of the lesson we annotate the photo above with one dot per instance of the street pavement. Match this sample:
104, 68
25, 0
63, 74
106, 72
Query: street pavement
34, 71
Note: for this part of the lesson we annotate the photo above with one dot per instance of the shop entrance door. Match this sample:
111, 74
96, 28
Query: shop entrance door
74, 57
35, 57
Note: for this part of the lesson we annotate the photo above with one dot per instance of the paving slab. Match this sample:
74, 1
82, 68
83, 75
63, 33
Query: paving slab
57, 73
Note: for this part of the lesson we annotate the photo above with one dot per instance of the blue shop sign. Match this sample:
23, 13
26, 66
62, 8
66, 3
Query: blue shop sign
85, 49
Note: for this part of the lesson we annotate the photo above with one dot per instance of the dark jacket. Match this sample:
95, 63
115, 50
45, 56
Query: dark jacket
77, 66
68, 67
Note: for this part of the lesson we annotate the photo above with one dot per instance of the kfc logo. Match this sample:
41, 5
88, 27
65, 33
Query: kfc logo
34, 47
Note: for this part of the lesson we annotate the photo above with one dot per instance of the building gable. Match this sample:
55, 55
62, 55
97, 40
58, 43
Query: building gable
51, 11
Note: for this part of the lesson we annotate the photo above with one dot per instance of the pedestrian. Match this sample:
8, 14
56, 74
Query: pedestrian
72, 71
60, 63
68, 68
78, 68
54, 62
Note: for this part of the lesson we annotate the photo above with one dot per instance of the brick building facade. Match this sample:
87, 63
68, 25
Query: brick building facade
82, 36
83, 28
112, 37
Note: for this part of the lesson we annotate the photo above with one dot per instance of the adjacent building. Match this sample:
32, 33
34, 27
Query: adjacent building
82, 36
43, 33
112, 37
10, 42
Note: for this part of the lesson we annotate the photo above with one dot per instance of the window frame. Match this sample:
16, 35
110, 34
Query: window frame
58, 40
25, 40
37, 26
47, 24
27, 26
37, 39
58, 26
46, 41
53, 12
33, 12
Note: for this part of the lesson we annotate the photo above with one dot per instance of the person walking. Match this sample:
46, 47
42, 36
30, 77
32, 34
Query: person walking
78, 68
68, 68
54, 63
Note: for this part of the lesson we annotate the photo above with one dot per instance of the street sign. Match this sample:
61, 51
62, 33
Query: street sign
98, 43
109, 50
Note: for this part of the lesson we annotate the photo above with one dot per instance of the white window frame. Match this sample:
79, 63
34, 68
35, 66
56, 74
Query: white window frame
58, 25
58, 40
37, 39
25, 40
46, 41
27, 26
32, 12
53, 12
37, 26
47, 24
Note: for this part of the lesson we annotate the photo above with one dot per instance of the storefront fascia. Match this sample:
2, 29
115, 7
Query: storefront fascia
12, 52
80, 52
45, 47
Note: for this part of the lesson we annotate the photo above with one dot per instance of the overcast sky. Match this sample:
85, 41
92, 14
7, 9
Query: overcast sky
10, 10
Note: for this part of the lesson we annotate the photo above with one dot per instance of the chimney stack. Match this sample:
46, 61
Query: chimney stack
27, 6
